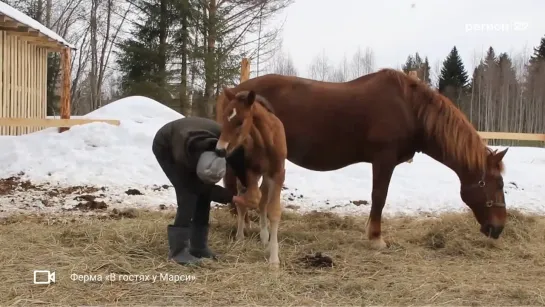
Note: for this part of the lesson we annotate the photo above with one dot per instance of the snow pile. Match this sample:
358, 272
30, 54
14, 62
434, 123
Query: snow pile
93, 154
24, 19
120, 157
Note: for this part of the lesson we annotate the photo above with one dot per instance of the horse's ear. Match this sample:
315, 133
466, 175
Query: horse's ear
251, 98
496, 157
228, 93
499, 156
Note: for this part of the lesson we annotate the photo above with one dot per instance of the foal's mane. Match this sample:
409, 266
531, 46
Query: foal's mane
444, 122
260, 135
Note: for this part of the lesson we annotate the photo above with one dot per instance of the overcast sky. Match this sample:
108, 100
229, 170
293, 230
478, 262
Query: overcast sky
396, 28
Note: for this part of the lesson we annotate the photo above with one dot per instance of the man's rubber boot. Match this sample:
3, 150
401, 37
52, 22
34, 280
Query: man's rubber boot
178, 241
199, 243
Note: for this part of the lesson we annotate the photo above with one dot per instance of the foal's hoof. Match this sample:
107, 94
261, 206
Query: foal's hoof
378, 244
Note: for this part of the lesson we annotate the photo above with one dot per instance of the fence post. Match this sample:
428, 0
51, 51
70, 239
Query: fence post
244, 70
65, 91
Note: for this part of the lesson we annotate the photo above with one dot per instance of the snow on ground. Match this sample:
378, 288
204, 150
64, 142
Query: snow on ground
118, 158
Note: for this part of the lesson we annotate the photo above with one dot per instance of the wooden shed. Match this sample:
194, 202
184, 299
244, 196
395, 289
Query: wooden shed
23, 71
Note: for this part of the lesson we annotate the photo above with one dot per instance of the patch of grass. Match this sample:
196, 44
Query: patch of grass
435, 261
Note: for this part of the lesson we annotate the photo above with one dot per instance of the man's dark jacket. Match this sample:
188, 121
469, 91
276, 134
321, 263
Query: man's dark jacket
180, 144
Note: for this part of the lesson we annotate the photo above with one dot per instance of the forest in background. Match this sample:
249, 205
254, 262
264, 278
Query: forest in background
180, 53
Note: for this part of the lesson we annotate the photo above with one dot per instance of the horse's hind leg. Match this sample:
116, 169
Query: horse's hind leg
274, 209
382, 174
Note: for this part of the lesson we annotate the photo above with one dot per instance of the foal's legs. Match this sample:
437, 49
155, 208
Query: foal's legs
265, 200
241, 213
252, 195
382, 174
274, 210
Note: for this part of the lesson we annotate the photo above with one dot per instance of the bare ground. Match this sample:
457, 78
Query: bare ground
441, 261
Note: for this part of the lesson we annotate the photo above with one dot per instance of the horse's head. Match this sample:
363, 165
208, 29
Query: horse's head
483, 193
236, 120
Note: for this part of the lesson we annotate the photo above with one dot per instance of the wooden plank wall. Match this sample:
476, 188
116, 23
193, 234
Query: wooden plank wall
23, 78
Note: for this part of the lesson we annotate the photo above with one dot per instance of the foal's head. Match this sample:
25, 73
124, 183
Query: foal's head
236, 120
483, 193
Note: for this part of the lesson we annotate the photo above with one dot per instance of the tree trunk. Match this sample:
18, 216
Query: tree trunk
94, 51
184, 51
163, 28
47, 13
210, 67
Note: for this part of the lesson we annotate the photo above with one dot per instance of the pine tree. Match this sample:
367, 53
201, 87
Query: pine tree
536, 62
453, 79
453, 73
143, 57
409, 64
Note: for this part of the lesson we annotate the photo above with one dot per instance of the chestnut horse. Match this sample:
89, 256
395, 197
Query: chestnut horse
382, 118
255, 128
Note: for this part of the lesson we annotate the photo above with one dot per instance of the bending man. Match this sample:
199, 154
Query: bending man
184, 149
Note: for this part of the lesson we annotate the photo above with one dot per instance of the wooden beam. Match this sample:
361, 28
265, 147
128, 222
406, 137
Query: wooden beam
5, 18
512, 136
12, 26
35, 37
65, 94
53, 122
41, 43
15, 28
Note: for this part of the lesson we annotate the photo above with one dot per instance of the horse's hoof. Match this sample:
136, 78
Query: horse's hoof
274, 265
378, 244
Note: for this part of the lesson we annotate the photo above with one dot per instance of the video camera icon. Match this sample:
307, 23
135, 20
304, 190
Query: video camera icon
47, 277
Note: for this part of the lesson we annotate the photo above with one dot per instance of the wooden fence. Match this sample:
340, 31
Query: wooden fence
23, 77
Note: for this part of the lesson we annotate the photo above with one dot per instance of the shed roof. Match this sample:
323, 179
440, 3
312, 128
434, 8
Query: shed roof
10, 12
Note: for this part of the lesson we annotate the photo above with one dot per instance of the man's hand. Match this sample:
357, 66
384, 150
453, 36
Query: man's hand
239, 201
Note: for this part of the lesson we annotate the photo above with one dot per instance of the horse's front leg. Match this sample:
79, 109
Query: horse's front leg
263, 206
274, 210
252, 196
382, 174
241, 213
246, 220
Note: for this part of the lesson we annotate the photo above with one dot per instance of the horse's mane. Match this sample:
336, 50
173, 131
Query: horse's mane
444, 122
259, 99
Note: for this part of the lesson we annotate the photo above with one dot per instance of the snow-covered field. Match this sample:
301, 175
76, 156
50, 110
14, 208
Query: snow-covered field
118, 158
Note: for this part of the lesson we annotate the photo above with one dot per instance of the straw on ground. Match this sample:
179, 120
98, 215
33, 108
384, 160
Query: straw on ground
432, 261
